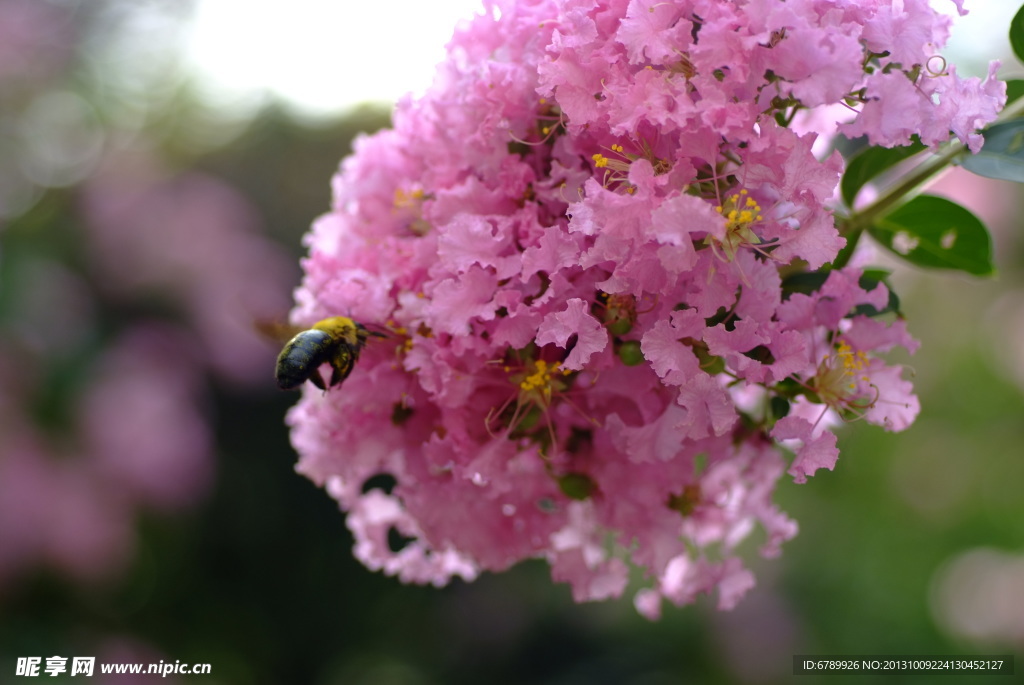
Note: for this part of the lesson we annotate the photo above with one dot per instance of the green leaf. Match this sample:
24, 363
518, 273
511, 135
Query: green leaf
578, 486
869, 164
1014, 89
1017, 34
779, 406
805, 282
936, 233
1002, 155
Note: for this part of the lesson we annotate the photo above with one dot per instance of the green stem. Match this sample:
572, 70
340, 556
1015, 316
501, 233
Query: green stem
856, 223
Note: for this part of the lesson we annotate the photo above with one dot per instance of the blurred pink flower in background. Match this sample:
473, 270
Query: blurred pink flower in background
141, 444
57, 511
752, 636
183, 256
36, 42
191, 242
141, 419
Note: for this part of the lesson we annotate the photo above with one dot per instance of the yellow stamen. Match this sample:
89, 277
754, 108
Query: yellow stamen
741, 212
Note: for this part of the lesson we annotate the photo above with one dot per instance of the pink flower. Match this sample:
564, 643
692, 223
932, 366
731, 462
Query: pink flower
575, 320
577, 239
971, 103
815, 452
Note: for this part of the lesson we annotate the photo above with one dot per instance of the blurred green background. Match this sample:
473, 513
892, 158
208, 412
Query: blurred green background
148, 505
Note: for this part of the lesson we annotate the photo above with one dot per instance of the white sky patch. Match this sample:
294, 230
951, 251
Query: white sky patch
321, 56
980, 36
324, 56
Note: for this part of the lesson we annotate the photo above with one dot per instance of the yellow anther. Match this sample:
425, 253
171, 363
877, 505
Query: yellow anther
408, 199
740, 212
541, 377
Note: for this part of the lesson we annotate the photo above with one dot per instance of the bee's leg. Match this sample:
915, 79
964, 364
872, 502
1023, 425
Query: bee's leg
342, 365
337, 375
318, 380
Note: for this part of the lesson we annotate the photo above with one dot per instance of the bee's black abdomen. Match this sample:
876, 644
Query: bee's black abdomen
302, 356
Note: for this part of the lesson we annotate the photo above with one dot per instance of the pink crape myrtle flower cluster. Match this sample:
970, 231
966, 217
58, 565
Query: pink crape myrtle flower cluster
579, 240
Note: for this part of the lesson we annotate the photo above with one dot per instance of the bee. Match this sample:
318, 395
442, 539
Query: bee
337, 341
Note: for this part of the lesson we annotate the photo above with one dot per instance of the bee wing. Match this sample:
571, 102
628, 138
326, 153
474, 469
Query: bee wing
275, 330
378, 331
